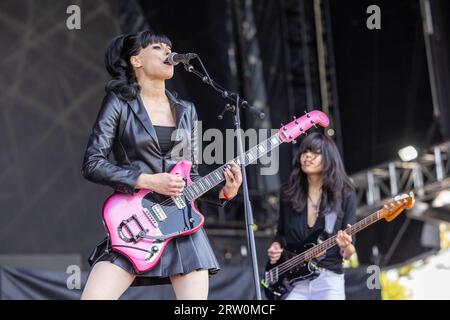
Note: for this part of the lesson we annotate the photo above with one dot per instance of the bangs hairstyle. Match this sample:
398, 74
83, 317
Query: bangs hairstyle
335, 179
117, 61
147, 37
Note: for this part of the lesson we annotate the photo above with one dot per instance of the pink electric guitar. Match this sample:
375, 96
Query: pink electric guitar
140, 226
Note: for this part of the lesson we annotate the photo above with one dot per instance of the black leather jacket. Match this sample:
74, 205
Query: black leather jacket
124, 128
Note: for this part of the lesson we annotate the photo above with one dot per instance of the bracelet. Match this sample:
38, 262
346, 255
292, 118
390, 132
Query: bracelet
226, 197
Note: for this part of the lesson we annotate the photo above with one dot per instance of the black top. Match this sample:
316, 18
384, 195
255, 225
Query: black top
164, 138
293, 229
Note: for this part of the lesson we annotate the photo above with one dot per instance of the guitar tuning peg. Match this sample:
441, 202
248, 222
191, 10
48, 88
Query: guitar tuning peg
307, 114
282, 124
294, 141
294, 117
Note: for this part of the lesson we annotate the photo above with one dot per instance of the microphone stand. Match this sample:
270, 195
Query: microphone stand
238, 103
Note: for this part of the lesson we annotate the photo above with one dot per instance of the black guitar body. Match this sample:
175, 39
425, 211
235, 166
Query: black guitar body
278, 283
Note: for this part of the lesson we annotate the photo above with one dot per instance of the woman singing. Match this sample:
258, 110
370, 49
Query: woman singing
139, 124
318, 186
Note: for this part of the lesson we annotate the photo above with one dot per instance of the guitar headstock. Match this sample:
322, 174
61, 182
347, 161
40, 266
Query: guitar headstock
396, 206
299, 126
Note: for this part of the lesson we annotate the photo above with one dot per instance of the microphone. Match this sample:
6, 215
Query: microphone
175, 58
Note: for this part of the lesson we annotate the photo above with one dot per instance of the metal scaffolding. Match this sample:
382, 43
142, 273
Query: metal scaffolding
426, 176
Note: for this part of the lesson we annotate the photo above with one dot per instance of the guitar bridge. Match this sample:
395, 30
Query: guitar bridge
271, 276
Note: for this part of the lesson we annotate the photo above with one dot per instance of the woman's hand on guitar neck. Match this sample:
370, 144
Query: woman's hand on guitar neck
344, 241
163, 183
233, 180
274, 252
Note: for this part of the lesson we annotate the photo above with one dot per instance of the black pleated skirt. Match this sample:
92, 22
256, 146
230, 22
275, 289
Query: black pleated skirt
181, 256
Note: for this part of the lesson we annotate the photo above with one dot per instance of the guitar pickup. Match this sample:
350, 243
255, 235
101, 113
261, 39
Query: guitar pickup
159, 212
150, 217
179, 202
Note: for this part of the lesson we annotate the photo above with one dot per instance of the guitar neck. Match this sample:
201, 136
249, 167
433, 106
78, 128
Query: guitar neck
206, 183
331, 242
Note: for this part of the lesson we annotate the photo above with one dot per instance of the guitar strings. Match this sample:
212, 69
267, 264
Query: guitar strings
222, 168
259, 154
285, 266
169, 201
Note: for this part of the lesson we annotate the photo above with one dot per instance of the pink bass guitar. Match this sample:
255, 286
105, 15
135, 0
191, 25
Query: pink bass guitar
141, 225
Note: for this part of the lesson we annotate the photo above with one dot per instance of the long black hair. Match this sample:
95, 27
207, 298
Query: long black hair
117, 60
335, 179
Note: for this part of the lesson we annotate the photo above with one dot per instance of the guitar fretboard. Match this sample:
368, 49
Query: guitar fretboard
331, 242
206, 183
319, 248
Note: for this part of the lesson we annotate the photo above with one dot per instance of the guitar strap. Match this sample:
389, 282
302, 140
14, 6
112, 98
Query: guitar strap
330, 222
